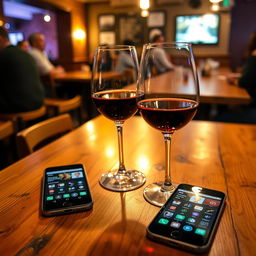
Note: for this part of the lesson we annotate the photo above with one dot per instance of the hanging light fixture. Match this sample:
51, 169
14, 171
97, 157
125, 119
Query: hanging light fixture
215, 7
144, 6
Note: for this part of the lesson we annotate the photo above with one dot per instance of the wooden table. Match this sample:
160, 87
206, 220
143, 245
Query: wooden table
213, 89
80, 76
215, 155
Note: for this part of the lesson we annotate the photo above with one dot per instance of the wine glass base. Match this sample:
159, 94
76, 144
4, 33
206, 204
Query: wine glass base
127, 181
155, 195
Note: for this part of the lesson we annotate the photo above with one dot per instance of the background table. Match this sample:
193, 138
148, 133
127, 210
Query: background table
80, 76
215, 155
214, 89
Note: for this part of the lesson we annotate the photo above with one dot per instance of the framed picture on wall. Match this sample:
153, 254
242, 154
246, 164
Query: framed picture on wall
107, 37
107, 22
131, 27
156, 19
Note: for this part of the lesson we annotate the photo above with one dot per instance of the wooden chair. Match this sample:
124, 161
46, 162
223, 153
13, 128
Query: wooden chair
28, 139
60, 106
8, 153
6, 129
21, 118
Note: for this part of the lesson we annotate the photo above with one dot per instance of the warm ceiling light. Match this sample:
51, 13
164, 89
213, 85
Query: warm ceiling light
215, 7
215, 1
144, 13
144, 4
1, 23
47, 18
79, 34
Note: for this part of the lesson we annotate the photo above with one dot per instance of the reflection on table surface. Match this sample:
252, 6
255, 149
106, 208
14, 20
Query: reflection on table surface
214, 155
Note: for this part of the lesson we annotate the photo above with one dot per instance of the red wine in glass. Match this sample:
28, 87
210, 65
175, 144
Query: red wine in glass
167, 115
117, 105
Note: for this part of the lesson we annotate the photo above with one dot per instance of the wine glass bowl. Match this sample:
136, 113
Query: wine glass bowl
117, 103
171, 100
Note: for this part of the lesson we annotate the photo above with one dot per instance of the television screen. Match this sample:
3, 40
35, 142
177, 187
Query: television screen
15, 37
197, 29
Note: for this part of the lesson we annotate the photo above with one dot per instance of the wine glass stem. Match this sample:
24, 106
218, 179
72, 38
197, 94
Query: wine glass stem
119, 126
167, 181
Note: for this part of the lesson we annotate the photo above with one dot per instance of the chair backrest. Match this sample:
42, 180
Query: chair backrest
6, 129
64, 105
29, 138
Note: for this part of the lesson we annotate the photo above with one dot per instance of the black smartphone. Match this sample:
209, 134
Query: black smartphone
189, 218
65, 190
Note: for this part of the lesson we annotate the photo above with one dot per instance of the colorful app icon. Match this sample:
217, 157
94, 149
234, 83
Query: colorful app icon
187, 228
49, 198
212, 202
74, 194
163, 221
188, 205
83, 193
191, 220
51, 191
210, 211
168, 214
196, 199
61, 185
61, 190
204, 224
66, 195
200, 231
58, 197
71, 184
175, 224
172, 207
51, 186
72, 188
198, 208
180, 217
80, 182
81, 187
176, 202
207, 217
184, 210
195, 214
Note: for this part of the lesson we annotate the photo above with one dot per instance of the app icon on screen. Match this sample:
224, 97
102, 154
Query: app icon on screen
198, 208
168, 214
175, 224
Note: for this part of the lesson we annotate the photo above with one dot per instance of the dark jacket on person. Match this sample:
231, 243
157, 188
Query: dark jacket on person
248, 77
20, 86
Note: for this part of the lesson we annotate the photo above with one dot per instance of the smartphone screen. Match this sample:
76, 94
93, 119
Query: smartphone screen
188, 218
65, 190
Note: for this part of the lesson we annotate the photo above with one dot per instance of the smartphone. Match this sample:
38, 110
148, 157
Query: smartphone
189, 218
65, 190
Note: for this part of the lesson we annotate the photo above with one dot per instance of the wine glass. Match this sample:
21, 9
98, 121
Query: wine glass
117, 103
171, 100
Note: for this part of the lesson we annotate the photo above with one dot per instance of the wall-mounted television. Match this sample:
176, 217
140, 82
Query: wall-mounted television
197, 29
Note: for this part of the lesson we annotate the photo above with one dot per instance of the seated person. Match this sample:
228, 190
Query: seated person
45, 67
162, 62
124, 60
247, 78
24, 45
21, 88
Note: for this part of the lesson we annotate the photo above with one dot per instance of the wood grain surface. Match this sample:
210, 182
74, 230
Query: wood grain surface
214, 155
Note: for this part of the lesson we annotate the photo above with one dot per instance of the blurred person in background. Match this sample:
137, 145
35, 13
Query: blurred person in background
24, 45
20, 88
45, 67
124, 60
162, 62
